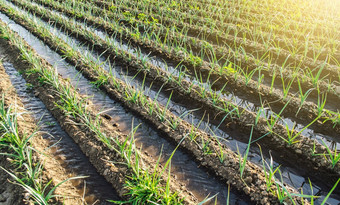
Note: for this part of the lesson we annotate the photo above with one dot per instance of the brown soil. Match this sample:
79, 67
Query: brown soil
194, 147
98, 153
306, 113
229, 172
52, 164
10, 194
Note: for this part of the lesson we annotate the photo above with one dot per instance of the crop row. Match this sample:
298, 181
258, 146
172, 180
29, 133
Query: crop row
218, 20
238, 60
86, 126
267, 93
106, 47
300, 51
139, 43
24, 147
95, 79
127, 95
303, 55
280, 52
262, 10
116, 88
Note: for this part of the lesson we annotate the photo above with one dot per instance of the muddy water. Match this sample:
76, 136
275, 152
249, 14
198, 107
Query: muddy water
185, 169
65, 149
294, 179
329, 105
330, 138
289, 173
238, 100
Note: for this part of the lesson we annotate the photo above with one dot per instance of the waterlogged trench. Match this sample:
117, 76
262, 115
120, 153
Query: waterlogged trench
293, 177
184, 168
245, 102
169, 67
330, 104
329, 137
255, 157
296, 180
290, 174
96, 188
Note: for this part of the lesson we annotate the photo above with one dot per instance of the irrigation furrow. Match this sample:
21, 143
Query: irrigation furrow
283, 55
215, 160
158, 72
254, 11
98, 152
273, 73
249, 7
94, 189
165, 99
283, 58
232, 29
313, 116
171, 105
189, 166
310, 10
217, 19
235, 28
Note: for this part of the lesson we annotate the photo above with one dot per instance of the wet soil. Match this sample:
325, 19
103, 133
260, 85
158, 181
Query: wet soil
244, 93
68, 160
10, 194
201, 181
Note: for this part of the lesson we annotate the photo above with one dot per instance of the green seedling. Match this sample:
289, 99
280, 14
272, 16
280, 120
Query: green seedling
193, 129
303, 96
269, 170
174, 122
40, 196
243, 160
334, 157
321, 102
283, 193
162, 112
330, 192
291, 133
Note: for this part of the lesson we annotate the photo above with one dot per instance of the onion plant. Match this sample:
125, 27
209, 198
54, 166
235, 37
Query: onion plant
28, 173
80, 112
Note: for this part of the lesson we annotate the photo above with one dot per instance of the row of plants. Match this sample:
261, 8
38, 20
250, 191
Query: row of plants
199, 90
235, 26
257, 46
306, 94
78, 118
306, 51
264, 10
248, 25
312, 78
306, 59
169, 126
313, 9
27, 170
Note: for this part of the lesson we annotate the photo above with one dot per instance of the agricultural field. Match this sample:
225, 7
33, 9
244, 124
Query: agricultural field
169, 102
